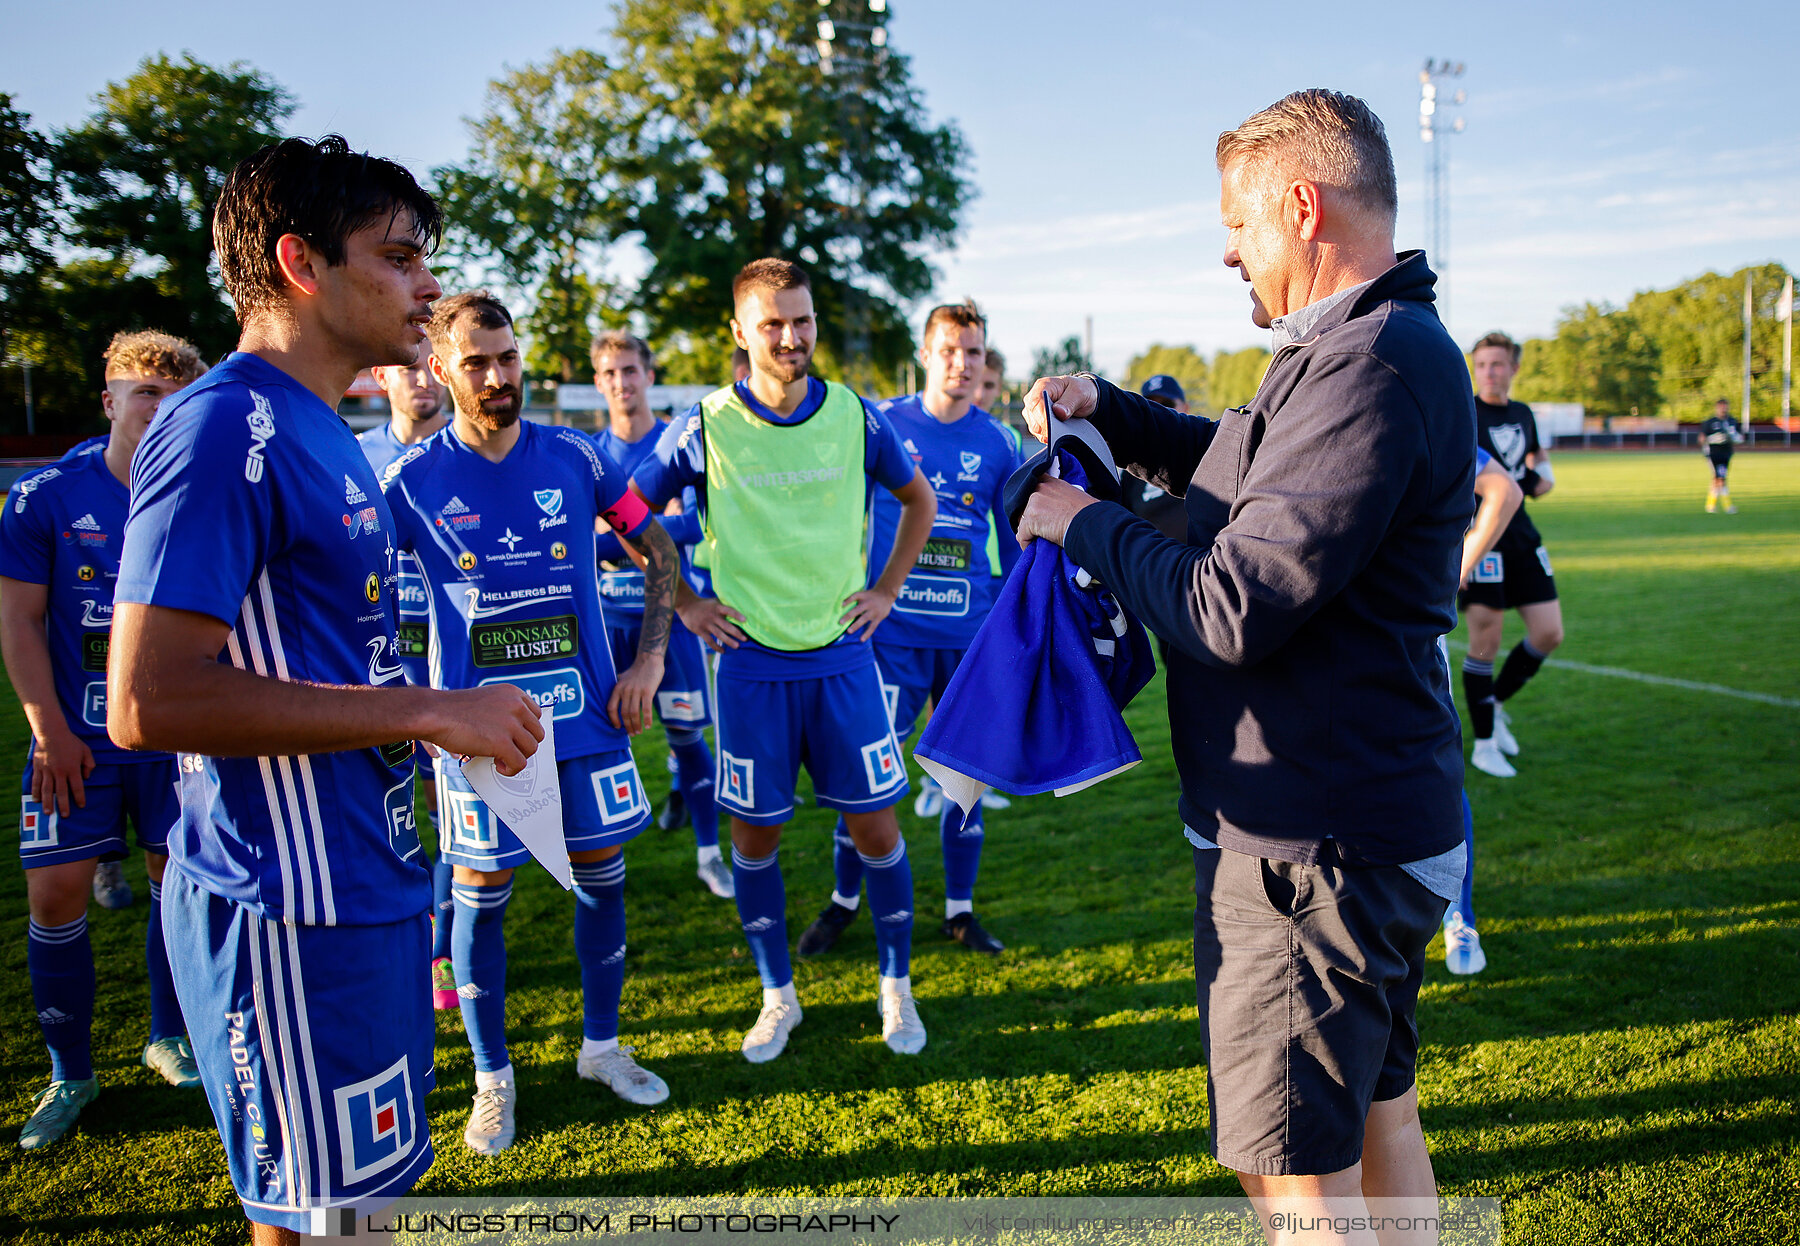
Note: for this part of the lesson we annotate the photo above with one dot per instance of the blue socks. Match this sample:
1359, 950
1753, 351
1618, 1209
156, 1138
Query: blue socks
443, 908
846, 865
600, 943
694, 776
1466, 905
478, 950
762, 907
165, 1009
890, 904
962, 850
60, 960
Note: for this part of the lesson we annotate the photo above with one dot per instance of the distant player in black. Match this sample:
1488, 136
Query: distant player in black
1717, 435
1516, 574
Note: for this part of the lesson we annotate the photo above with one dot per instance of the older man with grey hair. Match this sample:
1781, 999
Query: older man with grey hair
1318, 747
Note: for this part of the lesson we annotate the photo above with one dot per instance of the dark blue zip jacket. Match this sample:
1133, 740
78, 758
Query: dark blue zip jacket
1308, 698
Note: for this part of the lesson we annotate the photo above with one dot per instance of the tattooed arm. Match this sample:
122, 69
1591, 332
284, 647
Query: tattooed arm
635, 691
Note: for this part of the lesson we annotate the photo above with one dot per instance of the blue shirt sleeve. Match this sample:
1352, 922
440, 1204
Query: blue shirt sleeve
678, 461
26, 552
1482, 459
884, 452
200, 526
611, 486
1005, 543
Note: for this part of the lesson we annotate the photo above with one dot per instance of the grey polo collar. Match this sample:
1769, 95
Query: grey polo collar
1294, 326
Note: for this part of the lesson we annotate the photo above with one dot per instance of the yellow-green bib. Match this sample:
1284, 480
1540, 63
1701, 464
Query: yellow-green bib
784, 516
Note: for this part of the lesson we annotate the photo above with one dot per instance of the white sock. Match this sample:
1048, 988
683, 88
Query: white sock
784, 994
708, 853
896, 986
953, 907
598, 1046
849, 902
499, 1077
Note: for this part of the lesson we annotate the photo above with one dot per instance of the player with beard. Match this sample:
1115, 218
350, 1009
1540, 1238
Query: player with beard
783, 464
624, 371
966, 457
416, 398
1515, 575
253, 634
59, 560
501, 515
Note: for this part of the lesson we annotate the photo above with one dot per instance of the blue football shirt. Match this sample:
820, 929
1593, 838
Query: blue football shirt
251, 503
507, 552
381, 448
679, 462
62, 528
622, 584
952, 586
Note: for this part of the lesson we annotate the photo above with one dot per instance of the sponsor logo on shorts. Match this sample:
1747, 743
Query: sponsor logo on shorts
525, 640
740, 779
376, 1127
1490, 570
890, 696
881, 762
37, 825
620, 794
471, 825
241, 1093
681, 707
93, 704
942, 595
560, 691
1543, 557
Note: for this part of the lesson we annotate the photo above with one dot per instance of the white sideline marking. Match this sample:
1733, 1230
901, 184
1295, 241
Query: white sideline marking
1619, 672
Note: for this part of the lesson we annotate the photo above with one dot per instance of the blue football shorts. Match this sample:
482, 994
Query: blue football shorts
146, 791
603, 804
909, 676
839, 727
314, 1044
681, 699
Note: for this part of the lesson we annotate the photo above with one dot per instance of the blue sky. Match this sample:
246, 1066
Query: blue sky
1610, 147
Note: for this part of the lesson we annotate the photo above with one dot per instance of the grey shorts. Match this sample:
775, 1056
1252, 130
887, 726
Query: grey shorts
1307, 977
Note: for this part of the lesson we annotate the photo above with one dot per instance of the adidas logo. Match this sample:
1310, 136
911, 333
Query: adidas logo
86, 524
615, 958
454, 507
759, 925
53, 1016
353, 494
469, 990
904, 915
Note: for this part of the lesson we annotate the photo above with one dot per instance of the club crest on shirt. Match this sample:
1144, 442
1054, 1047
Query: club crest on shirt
971, 466
549, 500
1509, 444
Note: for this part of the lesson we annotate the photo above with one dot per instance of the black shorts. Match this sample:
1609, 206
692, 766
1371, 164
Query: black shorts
1308, 979
1721, 464
1516, 572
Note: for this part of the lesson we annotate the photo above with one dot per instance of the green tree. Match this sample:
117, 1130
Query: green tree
1601, 357
741, 146
143, 173
1698, 329
1184, 363
27, 202
1060, 360
534, 206
1234, 376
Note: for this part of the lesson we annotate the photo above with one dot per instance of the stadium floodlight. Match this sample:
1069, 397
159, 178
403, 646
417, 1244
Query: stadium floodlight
827, 32
878, 6
1435, 106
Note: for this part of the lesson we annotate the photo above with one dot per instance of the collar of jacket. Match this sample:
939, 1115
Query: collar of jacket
1409, 280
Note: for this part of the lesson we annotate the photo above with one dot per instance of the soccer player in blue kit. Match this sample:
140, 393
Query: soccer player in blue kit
59, 558
254, 635
624, 370
966, 457
783, 464
416, 398
500, 514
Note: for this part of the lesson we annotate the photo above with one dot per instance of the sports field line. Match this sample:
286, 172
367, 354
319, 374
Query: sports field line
1692, 685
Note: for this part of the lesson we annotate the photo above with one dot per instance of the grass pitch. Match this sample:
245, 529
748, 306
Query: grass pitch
1626, 1070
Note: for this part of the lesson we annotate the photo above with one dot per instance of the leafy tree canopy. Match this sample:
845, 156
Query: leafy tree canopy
1184, 363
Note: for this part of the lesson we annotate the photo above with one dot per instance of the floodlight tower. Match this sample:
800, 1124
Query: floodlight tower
1436, 124
852, 47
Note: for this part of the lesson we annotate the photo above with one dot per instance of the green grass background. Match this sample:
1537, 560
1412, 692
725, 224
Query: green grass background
1627, 1069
